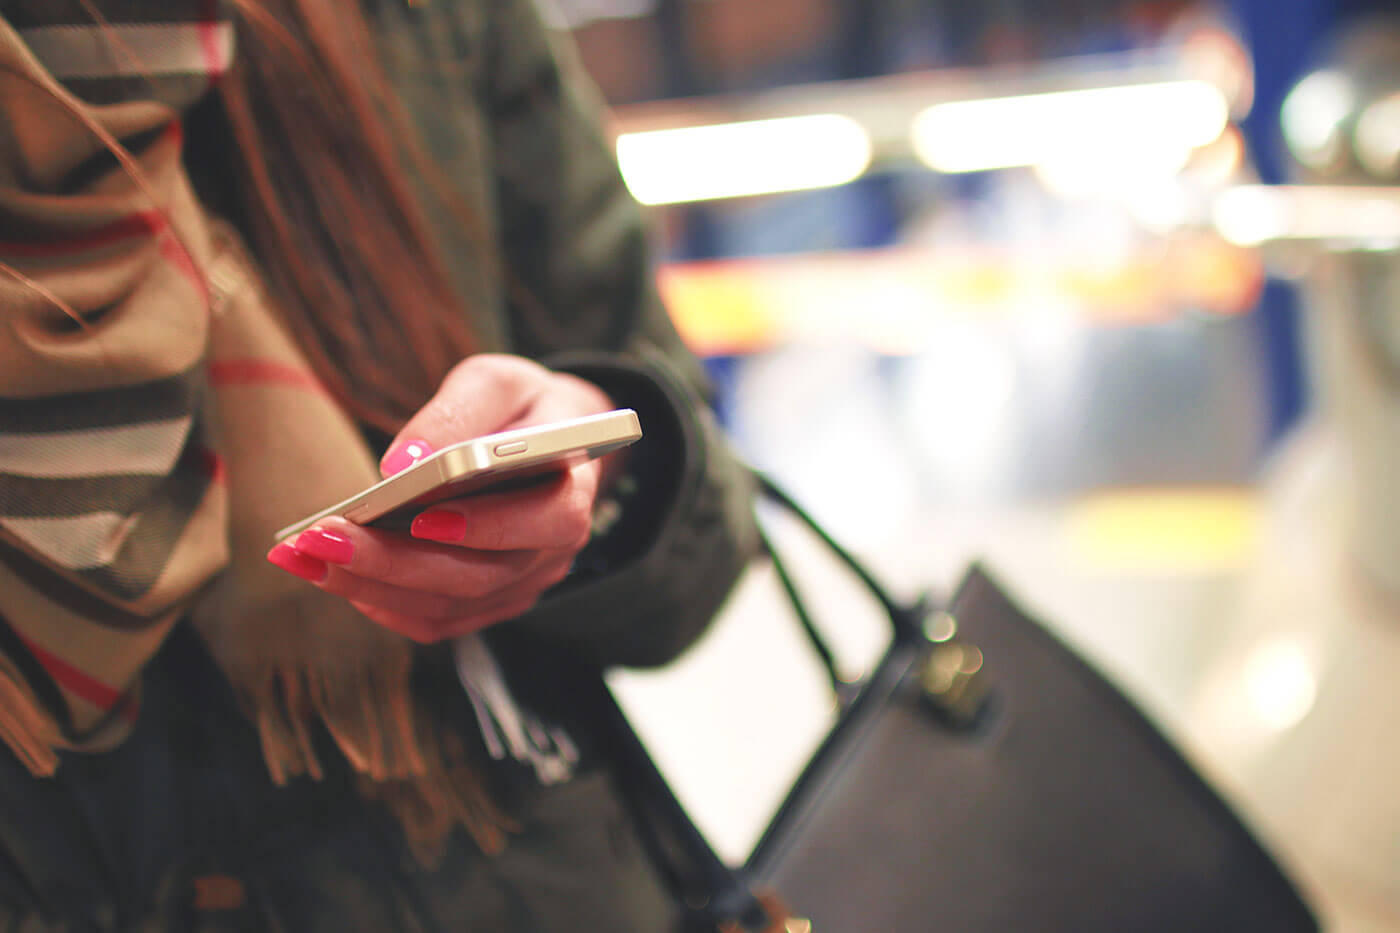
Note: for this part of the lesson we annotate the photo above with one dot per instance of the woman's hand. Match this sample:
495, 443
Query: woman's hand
474, 561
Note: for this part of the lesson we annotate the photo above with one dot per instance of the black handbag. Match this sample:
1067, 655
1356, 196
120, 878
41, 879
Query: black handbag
982, 778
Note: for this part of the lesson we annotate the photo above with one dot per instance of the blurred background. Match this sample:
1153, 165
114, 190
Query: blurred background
1103, 293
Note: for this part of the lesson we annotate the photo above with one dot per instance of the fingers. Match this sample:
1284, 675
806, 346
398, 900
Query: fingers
462, 547
505, 550
428, 631
475, 561
398, 561
491, 392
554, 515
437, 608
427, 619
483, 394
428, 616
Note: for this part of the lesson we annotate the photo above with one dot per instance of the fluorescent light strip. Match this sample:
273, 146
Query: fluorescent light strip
736, 159
1002, 132
1248, 215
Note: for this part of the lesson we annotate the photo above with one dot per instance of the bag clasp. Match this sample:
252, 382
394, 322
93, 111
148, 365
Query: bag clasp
952, 678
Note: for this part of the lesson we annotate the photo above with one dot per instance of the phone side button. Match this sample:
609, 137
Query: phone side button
513, 447
357, 514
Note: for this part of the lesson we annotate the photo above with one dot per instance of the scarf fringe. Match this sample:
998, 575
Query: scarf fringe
26, 727
451, 794
417, 768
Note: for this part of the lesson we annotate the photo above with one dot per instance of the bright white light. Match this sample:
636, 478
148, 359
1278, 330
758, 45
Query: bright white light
735, 159
1066, 126
1115, 173
959, 397
1159, 208
1280, 684
1378, 137
1313, 112
1214, 165
1248, 215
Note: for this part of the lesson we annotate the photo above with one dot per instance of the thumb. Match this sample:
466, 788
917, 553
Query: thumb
483, 394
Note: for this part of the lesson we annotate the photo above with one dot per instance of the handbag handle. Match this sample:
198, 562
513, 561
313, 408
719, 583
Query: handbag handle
900, 615
905, 620
716, 896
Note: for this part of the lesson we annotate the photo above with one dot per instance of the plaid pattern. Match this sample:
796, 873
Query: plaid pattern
145, 385
104, 499
102, 461
141, 49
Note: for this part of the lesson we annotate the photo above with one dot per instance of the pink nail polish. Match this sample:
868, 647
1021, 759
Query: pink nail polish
404, 456
308, 568
325, 545
439, 525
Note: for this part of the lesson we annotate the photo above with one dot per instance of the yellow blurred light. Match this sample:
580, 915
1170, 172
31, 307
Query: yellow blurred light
1249, 215
1161, 531
719, 309
1063, 127
730, 160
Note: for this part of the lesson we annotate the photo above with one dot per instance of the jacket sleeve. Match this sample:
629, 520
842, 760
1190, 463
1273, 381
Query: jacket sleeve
579, 273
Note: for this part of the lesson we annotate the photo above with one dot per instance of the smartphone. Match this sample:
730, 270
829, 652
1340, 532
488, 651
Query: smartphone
490, 463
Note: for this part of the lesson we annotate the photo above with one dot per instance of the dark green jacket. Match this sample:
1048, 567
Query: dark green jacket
180, 828
503, 106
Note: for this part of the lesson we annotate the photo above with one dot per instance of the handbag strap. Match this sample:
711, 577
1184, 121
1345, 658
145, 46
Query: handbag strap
714, 895
905, 620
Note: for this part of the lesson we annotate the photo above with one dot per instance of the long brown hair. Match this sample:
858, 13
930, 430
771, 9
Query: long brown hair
329, 209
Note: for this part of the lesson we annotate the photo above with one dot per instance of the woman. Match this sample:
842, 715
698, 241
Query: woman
246, 250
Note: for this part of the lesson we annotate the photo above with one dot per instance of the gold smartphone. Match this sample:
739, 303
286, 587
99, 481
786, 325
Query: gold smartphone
489, 463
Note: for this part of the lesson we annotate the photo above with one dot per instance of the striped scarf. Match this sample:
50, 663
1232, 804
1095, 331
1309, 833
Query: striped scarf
157, 425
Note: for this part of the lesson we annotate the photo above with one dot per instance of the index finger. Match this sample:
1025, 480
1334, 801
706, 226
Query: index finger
481, 395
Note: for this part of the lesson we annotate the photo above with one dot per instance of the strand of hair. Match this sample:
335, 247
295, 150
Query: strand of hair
46, 293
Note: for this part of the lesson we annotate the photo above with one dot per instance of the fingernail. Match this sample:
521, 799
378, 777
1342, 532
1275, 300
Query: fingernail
308, 568
324, 545
404, 456
439, 525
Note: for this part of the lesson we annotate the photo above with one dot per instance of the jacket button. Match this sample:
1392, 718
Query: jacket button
219, 892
